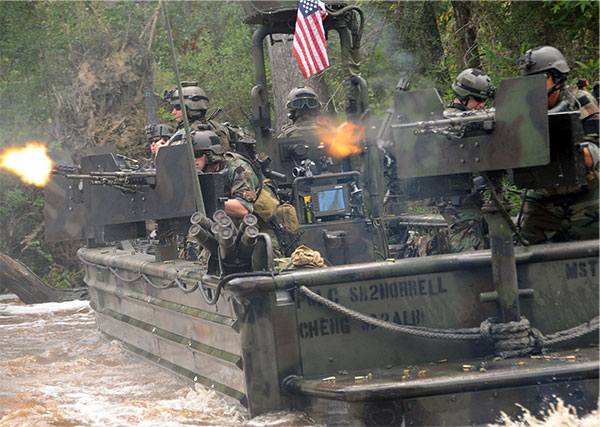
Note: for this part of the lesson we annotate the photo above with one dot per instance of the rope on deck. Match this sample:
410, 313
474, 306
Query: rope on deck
510, 339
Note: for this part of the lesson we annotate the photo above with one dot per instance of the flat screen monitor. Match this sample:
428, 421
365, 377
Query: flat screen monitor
330, 200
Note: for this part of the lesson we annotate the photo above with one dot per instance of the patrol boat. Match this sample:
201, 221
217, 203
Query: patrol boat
370, 340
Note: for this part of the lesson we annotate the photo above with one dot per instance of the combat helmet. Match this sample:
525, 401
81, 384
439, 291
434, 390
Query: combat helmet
473, 82
159, 130
207, 142
194, 98
302, 100
544, 58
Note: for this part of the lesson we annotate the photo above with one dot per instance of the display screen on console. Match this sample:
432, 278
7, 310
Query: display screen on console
331, 200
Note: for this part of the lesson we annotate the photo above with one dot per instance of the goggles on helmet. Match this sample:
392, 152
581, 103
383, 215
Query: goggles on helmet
489, 92
299, 103
194, 98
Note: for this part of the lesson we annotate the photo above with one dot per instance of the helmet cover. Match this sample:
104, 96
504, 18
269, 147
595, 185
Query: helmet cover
194, 98
473, 82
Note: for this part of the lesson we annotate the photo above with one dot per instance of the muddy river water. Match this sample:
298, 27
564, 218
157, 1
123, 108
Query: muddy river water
56, 369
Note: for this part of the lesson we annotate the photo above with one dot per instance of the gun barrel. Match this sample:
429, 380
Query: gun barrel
247, 243
248, 221
218, 214
77, 176
278, 176
116, 175
203, 221
227, 247
449, 121
205, 239
124, 174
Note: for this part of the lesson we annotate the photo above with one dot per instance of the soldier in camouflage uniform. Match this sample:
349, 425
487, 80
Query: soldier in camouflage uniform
196, 103
245, 187
466, 226
564, 213
304, 109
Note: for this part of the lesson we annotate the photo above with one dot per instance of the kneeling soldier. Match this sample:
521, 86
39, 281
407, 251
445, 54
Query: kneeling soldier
248, 193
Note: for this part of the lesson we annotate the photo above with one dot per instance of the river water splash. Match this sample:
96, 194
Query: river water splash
56, 369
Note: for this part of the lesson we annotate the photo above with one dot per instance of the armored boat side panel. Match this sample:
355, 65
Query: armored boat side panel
153, 309
445, 292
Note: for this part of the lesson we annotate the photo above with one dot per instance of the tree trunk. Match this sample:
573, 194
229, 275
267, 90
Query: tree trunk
417, 22
286, 75
30, 289
467, 34
433, 44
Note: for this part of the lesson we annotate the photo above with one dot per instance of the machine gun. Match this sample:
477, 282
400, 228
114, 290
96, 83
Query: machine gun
456, 126
102, 198
127, 181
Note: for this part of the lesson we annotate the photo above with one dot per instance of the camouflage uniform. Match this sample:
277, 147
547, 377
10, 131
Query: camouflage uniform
587, 105
244, 186
188, 248
466, 226
562, 214
304, 125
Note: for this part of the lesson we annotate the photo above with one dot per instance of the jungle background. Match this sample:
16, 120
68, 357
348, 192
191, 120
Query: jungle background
72, 74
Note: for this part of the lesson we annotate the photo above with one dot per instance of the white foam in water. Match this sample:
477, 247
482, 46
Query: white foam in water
559, 415
44, 308
197, 407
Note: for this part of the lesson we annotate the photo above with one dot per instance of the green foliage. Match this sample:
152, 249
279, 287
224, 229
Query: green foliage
212, 47
587, 70
61, 277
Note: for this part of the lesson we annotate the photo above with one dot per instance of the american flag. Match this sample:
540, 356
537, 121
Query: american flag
309, 46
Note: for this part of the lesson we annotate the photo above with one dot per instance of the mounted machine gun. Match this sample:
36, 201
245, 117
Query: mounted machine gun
454, 127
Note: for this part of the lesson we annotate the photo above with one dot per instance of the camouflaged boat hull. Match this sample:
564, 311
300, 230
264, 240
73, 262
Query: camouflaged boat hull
270, 348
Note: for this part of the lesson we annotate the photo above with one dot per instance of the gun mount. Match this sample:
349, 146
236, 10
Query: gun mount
104, 203
437, 157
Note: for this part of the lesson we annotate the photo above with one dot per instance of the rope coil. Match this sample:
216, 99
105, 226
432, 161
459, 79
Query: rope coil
510, 339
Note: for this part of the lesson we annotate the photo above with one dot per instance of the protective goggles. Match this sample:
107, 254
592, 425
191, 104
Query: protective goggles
488, 93
299, 103
175, 100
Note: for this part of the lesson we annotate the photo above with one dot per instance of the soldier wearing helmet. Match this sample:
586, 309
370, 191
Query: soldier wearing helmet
466, 226
551, 62
208, 151
304, 109
248, 193
472, 88
158, 135
563, 213
196, 104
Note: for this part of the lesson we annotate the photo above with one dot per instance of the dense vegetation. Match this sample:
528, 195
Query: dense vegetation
72, 74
